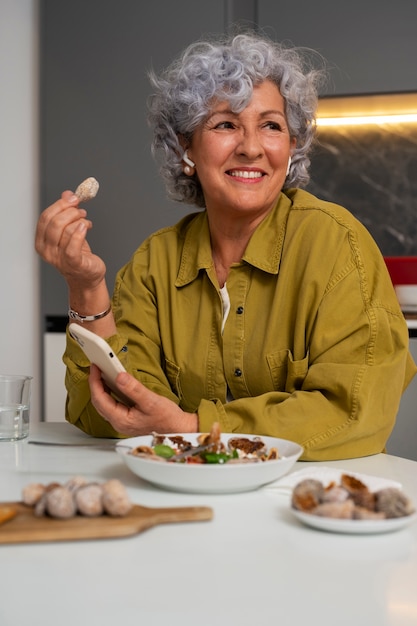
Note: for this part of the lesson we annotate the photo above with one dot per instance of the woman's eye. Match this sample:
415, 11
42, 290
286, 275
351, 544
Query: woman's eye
224, 125
273, 125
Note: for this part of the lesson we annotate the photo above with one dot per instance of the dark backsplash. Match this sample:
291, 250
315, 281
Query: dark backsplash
372, 171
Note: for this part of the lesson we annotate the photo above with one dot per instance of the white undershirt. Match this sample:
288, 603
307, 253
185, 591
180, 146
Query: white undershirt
226, 309
226, 304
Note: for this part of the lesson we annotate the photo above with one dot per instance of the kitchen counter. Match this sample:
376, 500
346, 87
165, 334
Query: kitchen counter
253, 562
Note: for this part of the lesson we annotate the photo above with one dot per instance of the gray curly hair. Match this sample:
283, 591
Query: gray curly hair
228, 68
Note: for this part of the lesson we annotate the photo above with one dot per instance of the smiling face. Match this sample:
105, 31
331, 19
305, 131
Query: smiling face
242, 158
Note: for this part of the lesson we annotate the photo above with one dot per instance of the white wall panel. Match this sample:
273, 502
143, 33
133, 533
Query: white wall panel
19, 283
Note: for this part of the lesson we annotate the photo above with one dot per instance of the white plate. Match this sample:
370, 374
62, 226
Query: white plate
356, 527
328, 475
193, 478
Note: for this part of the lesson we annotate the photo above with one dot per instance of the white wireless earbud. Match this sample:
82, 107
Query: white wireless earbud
288, 167
187, 159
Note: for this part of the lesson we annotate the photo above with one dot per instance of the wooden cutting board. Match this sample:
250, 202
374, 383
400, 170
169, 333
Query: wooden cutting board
25, 527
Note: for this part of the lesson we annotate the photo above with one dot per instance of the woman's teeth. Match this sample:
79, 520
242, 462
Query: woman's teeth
245, 174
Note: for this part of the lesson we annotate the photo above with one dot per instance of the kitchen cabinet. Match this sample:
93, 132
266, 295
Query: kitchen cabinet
371, 47
403, 440
54, 393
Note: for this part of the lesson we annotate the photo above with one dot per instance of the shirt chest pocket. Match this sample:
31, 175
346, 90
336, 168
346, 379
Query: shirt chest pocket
287, 375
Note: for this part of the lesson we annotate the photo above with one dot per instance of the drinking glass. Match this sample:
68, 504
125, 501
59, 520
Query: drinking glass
14, 406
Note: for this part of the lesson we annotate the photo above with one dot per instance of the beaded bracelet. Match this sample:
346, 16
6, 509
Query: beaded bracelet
73, 315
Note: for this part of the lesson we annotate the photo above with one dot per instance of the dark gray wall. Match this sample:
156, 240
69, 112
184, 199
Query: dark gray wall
94, 60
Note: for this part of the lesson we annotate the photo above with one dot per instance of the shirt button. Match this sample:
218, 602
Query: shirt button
239, 310
238, 372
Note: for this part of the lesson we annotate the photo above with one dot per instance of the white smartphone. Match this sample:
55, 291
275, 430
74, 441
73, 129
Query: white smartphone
100, 353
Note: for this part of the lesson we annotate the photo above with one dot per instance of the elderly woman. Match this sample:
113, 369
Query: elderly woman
269, 311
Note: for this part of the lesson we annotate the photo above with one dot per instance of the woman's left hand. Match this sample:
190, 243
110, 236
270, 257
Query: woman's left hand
150, 411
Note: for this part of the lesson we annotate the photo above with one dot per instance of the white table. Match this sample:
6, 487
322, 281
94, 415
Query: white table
252, 564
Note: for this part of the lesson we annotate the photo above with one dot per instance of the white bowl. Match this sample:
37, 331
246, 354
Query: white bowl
195, 478
407, 296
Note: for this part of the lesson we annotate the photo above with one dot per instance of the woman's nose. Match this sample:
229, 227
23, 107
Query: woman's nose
249, 144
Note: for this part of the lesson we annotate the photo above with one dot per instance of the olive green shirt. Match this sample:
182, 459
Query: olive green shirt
314, 349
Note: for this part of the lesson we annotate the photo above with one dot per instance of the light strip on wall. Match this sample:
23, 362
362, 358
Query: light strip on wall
367, 119
396, 108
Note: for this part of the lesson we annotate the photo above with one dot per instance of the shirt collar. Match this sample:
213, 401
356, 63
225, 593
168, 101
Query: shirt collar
263, 250
196, 252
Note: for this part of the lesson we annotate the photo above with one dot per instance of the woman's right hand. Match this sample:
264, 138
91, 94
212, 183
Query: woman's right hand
61, 241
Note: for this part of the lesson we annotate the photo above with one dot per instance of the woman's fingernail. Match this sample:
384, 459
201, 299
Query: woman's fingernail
123, 379
73, 199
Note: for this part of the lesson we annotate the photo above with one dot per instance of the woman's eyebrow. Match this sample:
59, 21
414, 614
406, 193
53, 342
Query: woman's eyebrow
221, 111
228, 110
272, 112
